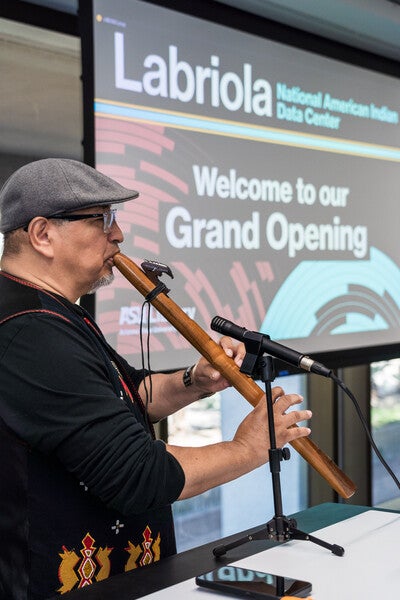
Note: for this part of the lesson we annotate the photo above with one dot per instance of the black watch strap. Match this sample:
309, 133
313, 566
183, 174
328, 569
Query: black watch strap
187, 376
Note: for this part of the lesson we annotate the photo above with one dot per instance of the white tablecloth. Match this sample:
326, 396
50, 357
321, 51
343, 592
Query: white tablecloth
369, 569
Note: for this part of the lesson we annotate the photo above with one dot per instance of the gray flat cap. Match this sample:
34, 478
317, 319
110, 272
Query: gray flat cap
52, 186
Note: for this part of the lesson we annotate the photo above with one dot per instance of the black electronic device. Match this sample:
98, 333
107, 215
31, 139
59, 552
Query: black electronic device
248, 583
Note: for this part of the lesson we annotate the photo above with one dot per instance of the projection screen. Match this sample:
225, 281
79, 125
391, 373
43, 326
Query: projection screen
268, 179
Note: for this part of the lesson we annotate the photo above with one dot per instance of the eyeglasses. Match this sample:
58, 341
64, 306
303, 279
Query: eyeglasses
108, 218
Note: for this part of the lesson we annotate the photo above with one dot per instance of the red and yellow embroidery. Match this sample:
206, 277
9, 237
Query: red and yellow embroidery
93, 566
145, 553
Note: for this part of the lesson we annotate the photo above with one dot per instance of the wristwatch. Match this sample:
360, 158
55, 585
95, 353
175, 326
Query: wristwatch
187, 376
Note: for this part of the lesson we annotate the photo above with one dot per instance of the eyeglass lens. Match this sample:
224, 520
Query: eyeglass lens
109, 218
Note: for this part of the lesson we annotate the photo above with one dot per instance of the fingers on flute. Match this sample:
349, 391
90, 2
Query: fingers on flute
233, 349
277, 391
285, 421
283, 402
295, 433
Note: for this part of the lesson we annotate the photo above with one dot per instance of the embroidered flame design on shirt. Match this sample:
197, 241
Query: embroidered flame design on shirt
92, 566
145, 553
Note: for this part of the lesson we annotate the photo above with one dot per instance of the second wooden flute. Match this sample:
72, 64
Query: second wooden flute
216, 356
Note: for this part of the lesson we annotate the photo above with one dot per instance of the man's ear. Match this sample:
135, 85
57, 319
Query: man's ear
40, 236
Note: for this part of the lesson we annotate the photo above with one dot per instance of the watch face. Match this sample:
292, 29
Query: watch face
187, 377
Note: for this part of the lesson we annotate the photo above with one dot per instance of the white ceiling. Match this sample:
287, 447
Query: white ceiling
372, 25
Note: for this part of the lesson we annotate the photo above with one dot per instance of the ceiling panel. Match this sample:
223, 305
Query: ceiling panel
372, 25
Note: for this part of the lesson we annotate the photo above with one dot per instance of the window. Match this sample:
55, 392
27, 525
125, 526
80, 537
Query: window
247, 501
385, 425
41, 99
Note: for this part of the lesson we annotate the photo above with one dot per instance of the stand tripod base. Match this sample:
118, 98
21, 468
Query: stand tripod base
279, 529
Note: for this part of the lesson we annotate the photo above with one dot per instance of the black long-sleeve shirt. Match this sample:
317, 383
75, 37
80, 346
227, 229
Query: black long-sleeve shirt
87, 488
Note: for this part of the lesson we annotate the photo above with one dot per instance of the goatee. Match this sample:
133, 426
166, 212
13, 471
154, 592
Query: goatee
105, 280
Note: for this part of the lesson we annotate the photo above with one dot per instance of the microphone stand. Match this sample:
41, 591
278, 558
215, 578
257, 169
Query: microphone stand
280, 528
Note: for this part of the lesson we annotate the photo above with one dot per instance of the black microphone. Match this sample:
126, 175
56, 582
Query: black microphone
278, 350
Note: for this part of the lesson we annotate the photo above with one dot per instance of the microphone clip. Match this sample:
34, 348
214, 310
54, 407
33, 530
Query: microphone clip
154, 269
253, 363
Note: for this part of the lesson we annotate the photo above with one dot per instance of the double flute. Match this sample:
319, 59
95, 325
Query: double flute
216, 356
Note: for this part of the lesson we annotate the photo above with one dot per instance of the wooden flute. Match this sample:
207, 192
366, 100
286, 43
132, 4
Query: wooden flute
216, 356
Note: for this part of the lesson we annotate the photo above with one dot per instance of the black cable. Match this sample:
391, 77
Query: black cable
364, 423
146, 371
160, 288
148, 354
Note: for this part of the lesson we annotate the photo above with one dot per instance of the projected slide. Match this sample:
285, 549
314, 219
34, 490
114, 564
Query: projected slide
268, 180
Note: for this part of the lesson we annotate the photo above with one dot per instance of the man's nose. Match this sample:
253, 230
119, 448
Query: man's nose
115, 234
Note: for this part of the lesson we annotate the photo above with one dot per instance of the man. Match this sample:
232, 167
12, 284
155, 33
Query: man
86, 488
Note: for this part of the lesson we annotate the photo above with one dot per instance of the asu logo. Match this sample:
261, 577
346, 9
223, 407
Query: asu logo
145, 553
76, 572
